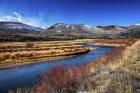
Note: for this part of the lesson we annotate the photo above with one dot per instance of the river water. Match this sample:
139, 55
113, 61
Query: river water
27, 76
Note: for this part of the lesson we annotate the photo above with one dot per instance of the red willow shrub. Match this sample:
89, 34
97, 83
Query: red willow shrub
125, 42
110, 56
61, 79
41, 88
57, 79
29, 45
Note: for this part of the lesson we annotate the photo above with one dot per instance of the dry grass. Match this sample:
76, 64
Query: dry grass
116, 42
18, 53
117, 71
120, 76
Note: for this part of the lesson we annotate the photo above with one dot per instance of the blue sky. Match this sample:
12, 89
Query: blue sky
43, 13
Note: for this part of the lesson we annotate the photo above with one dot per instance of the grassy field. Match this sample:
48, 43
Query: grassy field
19, 53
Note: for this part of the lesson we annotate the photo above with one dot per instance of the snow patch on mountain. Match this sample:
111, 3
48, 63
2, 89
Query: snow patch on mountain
17, 25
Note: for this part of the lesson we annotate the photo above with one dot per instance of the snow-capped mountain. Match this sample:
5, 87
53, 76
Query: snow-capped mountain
23, 32
75, 30
87, 28
75, 27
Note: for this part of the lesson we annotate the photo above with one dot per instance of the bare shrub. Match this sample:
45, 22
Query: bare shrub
29, 45
121, 82
20, 90
61, 79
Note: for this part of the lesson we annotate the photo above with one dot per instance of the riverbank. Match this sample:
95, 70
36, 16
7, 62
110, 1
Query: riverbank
22, 53
104, 75
116, 42
118, 75
28, 75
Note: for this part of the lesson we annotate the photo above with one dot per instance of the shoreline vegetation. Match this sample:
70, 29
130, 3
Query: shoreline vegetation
118, 71
15, 54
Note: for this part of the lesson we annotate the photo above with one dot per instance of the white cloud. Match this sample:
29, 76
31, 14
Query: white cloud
137, 24
17, 17
16, 13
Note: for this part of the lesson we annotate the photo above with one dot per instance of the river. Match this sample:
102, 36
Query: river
27, 76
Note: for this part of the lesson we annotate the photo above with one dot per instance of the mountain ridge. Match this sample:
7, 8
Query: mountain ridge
62, 31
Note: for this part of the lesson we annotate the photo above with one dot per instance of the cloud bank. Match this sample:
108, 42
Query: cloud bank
17, 17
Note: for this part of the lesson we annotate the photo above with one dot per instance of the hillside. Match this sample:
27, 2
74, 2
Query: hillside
15, 31
62, 30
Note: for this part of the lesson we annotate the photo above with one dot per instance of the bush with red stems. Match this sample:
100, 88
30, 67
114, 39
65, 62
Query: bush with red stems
61, 79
